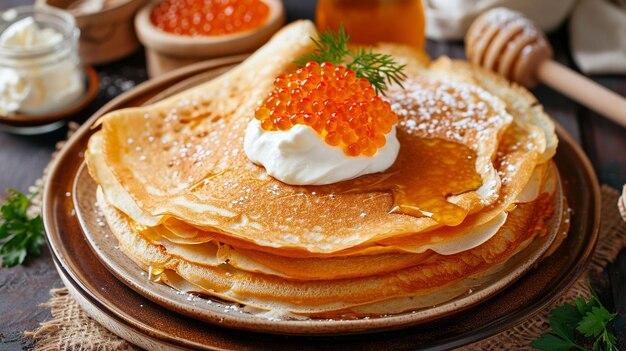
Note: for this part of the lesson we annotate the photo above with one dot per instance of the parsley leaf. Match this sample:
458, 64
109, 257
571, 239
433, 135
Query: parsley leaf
581, 306
549, 342
564, 320
594, 322
575, 326
19, 235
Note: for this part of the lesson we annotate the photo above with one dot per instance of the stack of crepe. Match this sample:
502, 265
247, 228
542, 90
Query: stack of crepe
184, 201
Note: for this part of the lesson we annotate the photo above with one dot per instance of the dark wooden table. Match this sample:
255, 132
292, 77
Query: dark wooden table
22, 160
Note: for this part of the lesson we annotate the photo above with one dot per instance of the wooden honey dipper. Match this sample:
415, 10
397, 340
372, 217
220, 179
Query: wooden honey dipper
510, 44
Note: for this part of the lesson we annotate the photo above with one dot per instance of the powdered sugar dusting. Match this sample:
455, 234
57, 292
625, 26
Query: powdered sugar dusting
445, 109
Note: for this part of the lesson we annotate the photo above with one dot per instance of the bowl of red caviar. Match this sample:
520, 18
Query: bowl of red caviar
180, 32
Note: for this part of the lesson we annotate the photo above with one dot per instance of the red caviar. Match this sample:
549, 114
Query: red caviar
209, 17
343, 110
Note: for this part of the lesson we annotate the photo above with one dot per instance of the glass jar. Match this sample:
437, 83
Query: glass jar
372, 21
40, 71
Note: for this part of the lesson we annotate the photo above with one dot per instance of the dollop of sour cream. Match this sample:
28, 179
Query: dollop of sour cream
40, 83
299, 156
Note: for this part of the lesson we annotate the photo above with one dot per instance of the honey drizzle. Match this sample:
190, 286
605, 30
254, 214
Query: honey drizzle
425, 173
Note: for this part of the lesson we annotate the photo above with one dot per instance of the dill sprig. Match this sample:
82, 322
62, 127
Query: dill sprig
379, 69
331, 48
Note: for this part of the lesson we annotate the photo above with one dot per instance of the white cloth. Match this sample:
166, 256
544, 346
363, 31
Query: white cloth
598, 36
450, 19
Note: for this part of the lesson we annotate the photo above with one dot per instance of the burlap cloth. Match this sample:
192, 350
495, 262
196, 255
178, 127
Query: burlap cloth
72, 329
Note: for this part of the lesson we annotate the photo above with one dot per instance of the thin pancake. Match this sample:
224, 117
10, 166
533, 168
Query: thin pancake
444, 109
520, 103
214, 254
515, 164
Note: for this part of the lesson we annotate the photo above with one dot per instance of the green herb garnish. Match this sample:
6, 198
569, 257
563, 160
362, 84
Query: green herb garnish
583, 325
379, 69
331, 48
19, 235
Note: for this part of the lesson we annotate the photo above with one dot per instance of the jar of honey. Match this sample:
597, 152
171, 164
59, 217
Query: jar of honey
372, 21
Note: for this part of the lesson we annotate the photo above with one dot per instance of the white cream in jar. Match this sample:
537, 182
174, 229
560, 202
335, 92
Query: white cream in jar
39, 67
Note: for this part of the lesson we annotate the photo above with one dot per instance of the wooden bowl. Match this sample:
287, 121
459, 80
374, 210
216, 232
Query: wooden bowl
38, 124
105, 35
166, 51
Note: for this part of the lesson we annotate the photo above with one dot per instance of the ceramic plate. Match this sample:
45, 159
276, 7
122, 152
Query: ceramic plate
105, 246
138, 318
